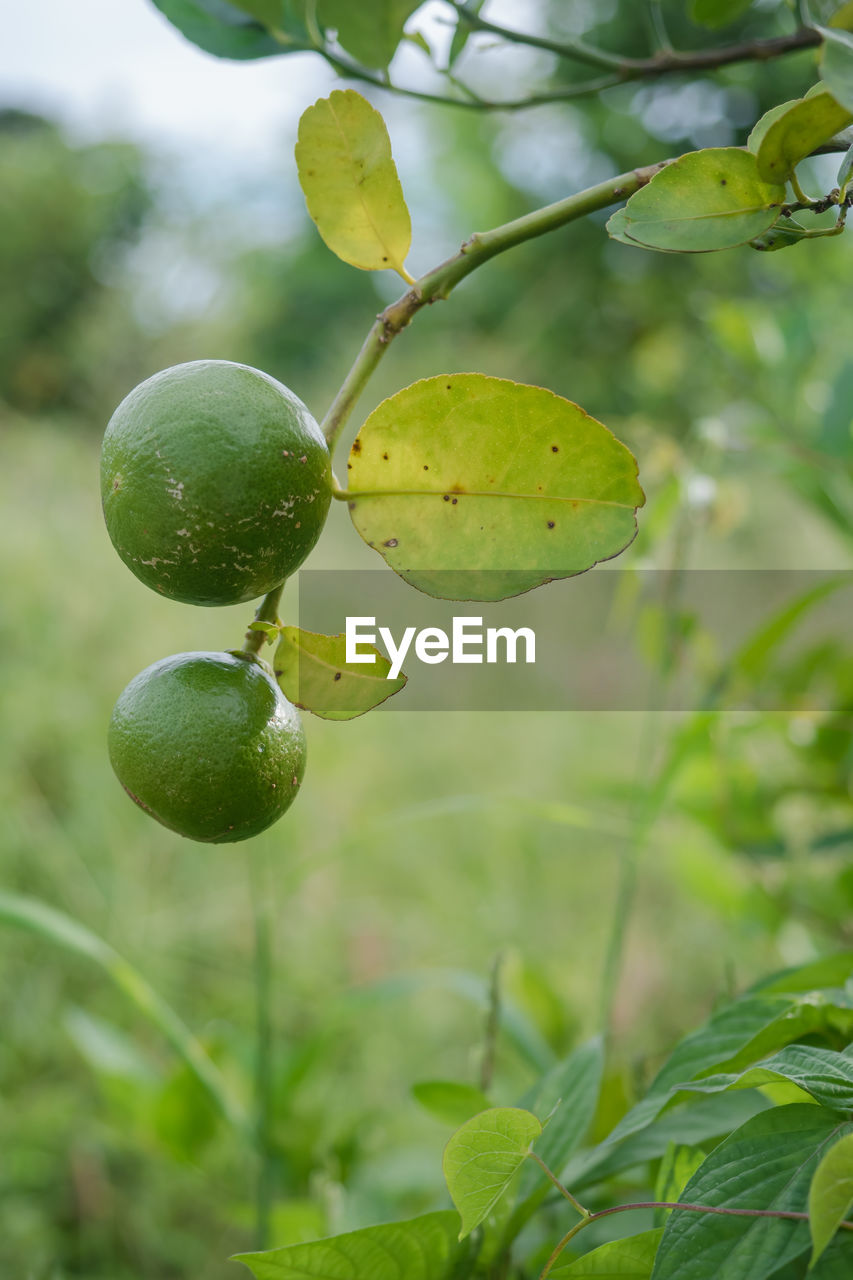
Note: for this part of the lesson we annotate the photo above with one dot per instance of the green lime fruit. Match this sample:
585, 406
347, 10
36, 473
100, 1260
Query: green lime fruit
208, 745
215, 482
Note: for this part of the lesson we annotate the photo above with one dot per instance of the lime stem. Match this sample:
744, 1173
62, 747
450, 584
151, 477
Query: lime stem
437, 284
267, 611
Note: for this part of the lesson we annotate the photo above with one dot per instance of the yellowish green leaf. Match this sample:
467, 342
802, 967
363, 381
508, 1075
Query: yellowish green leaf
479, 488
350, 182
483, 1157
830, 1194
314, 674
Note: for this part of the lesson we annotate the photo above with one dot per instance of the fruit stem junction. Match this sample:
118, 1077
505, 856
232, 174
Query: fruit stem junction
267, 611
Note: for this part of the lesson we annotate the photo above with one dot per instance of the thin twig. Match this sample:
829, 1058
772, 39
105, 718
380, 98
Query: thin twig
479, 248
563, 1190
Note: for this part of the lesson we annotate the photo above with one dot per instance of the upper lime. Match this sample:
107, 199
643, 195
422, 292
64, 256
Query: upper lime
215, 482
208, 745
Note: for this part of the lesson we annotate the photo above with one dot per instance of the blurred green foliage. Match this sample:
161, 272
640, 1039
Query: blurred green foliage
419, 846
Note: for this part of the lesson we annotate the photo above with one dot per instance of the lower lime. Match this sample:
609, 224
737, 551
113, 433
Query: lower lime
208, 745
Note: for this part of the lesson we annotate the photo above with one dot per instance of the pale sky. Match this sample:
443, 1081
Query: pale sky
118, 68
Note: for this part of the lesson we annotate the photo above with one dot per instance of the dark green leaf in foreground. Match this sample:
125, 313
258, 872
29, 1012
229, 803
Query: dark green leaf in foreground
483, 1157
450, 1100
350, 183
478, 488
229, 31
422, 1248
795, 133
825, 1074
313, 673
629, 1259
766, 1164
370, 32
705, 200
738, 1035
831, 1194
836, 64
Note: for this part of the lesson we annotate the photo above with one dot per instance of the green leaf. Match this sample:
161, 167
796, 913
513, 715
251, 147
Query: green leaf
270, 630
830, 1194
54, 926
565, 1101
108, 1050
314, 674
483, 1157
462, 33
737, 1035
219, 27
818, 975
784, 234
370, 32
677, 1167
845, 171
836, 64
704, 201
706, 1117
423, 1248
796, 132
350, 182
766, 1164
843, 16
478, 488
759, 129
450, 1100
631, 1258
823, 1073
717, 13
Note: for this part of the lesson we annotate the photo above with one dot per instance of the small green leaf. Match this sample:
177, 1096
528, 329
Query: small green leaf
270, 629
462, 33
704, 201
836, 64
450, 1100
782, 235
631, 1258
220, 28
796, 132
831, 1194
483, 1157
314, 674
478, 488
350, 182
370, 32
768, 1163
717, 13
423, 1248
